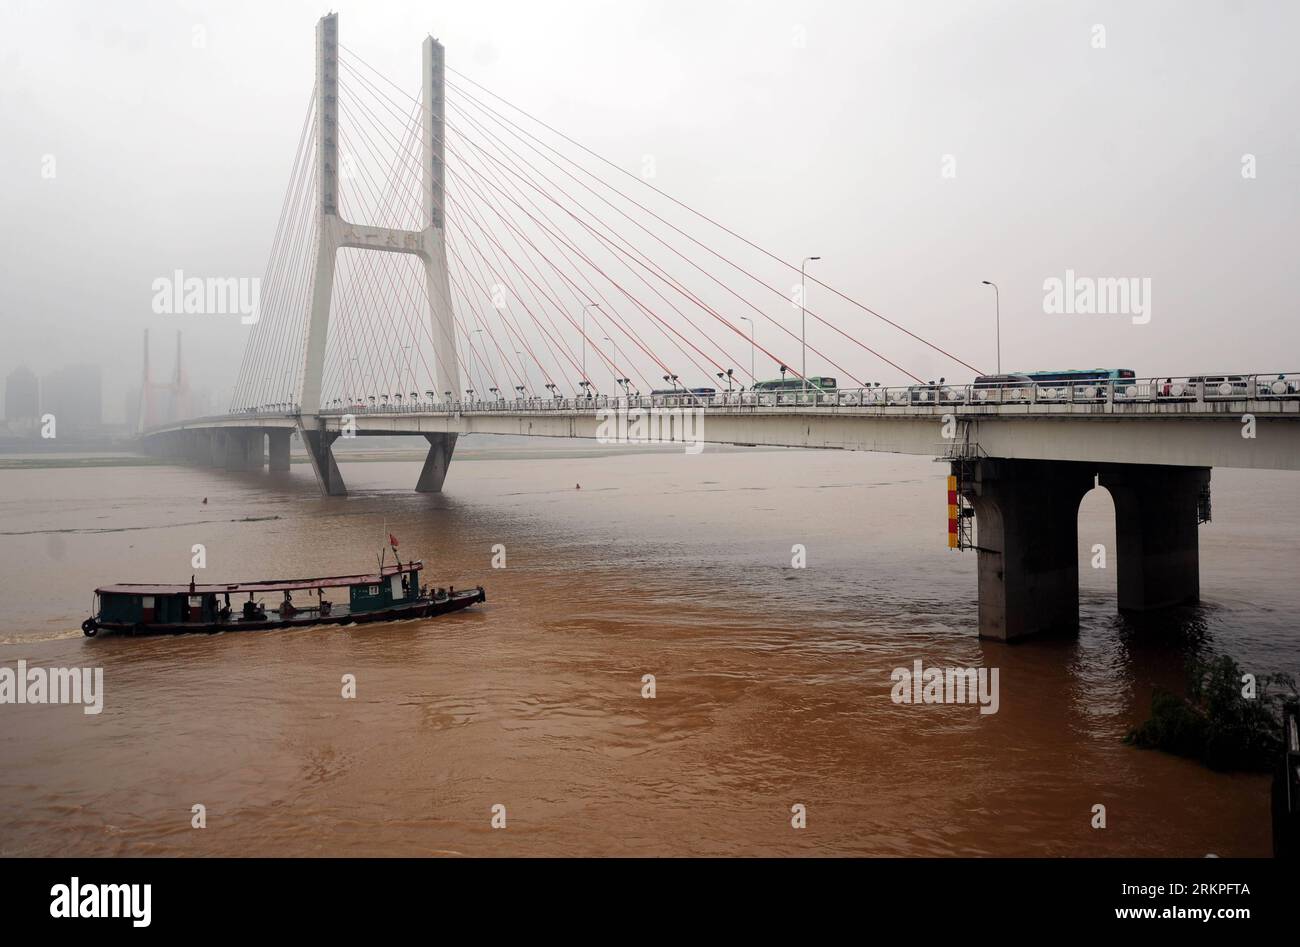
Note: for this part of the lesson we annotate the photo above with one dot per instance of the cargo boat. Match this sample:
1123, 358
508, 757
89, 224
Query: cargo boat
393, 593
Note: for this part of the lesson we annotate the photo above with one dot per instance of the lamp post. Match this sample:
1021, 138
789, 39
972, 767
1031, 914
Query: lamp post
523, 367
471, 355
803, 318
752, 379
997, 312
584, 336
615, 344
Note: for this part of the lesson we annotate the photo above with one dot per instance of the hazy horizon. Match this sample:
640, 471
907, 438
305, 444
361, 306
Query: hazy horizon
811, 128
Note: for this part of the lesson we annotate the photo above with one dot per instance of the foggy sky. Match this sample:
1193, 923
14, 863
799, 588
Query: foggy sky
813, 128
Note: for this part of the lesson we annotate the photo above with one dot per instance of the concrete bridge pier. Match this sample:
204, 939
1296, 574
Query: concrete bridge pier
319, 445
436, 463
1027, 515
254, 449
235, 450
196, 447
216, 448
1157, 515
279, 447
1027, 536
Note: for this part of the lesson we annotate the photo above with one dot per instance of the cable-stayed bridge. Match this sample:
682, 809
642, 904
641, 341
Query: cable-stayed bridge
445, 263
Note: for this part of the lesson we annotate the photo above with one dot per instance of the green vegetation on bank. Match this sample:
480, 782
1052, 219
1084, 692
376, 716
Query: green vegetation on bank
1217, 723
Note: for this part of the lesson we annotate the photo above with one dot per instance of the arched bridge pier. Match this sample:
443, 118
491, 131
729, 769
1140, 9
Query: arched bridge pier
1027, 514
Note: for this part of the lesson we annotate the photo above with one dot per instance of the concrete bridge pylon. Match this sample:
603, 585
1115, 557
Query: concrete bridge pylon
333, 233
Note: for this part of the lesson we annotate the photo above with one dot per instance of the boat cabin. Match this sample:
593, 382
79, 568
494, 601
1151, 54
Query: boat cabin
189, 607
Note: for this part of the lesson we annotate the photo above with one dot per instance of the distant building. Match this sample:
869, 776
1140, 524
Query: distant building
22, 399
74, 395
163, 402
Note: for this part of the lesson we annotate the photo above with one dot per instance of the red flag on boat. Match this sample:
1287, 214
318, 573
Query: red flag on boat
392, 540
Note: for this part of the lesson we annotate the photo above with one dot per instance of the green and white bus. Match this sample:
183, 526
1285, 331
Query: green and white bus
816, 384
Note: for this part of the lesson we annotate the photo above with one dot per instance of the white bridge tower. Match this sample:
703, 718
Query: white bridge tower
334, 233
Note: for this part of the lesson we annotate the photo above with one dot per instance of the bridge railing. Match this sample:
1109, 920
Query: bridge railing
1170, 389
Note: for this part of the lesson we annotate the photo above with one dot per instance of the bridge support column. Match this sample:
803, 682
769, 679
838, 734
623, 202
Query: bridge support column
320, 450
217, 448
1026, 515
436, 463
255, 449
236, 450
279, 444
1156, 520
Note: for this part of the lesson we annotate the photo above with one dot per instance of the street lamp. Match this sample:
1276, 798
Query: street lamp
523, 367
584, 335
803, 318
751, 348
615, 344
997, 303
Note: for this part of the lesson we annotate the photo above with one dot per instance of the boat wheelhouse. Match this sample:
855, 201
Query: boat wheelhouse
391, 594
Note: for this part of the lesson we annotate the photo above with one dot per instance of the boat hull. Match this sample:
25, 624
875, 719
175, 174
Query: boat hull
423, 608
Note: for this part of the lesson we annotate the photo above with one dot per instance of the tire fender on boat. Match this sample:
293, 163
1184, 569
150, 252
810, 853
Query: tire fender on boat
90, 628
